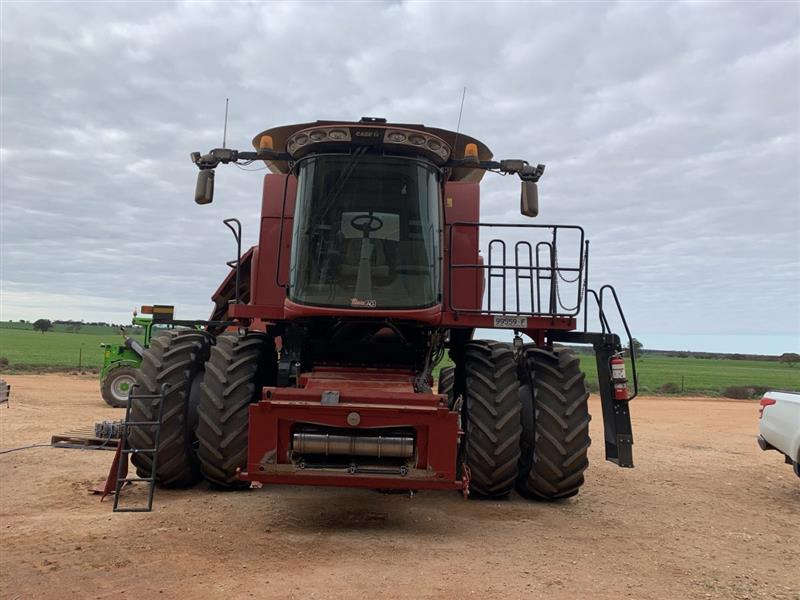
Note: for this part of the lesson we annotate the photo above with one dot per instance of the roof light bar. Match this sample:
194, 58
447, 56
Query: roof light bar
302, 141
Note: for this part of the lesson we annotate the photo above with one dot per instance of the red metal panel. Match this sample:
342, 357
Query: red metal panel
359, 480
326, 378
462, 203
272, 198
535, 324
423, 315
272, 421
254, 272
382, 398
275, 242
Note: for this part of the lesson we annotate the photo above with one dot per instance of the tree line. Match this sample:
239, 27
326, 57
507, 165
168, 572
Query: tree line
44, 325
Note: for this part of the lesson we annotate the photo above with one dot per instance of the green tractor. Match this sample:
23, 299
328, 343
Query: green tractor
120, 361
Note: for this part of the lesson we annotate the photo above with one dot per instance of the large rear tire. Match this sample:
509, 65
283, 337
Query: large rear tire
116, 386
492, 416
556, 438
175, 359
447, 377
238, 367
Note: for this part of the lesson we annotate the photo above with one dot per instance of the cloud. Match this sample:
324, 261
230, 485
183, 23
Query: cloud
671, 133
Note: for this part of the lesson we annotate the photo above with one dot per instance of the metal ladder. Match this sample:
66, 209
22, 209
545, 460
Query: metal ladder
126, 450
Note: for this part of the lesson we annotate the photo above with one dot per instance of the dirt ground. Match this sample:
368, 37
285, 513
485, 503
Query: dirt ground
705, 514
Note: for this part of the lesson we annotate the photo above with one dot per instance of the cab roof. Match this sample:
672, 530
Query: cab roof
456, 141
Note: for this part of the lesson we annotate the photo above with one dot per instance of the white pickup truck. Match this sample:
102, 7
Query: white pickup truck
779, 425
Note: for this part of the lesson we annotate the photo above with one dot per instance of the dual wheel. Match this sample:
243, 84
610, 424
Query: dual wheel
210, 384
526, 420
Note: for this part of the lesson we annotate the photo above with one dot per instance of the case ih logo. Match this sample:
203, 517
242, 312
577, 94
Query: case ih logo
369, 136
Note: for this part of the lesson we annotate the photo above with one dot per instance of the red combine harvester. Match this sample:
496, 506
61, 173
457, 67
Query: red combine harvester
316, 367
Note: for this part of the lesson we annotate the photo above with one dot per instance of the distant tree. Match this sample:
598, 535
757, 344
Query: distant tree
42, 325
638, 348
790, 358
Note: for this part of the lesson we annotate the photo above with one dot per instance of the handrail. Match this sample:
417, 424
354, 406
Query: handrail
499, 266
237, 233
606, 328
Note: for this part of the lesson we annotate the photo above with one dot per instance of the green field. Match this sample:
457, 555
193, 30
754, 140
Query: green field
25, 348
707, 377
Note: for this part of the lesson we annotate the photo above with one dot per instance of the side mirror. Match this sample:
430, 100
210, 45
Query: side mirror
529, 199
204, 192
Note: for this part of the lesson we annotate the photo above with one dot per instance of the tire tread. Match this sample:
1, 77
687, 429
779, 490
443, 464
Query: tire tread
234, 374
172, 359
561, 426
493, 425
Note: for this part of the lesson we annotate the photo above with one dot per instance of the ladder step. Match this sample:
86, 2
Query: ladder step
125, 450
135, 479
144, 396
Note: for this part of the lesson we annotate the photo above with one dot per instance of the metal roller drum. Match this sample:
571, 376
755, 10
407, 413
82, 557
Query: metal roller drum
353, 445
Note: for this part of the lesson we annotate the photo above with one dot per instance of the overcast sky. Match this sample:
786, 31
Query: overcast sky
671, 133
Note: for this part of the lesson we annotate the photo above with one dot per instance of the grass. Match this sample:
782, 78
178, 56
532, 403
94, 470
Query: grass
696, 376
60, 349
704, 376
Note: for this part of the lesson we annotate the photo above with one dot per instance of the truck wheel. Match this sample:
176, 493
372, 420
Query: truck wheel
175, 359
492, 417
556, 438
446, 379
238, 367
116, 385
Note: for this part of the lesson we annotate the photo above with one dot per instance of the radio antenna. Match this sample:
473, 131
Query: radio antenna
225, 129
460, 112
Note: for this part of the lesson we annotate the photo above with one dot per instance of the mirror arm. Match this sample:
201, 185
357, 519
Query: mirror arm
525, 171
227, 155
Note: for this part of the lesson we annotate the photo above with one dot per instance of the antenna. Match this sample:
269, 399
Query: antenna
225, 129
460, 112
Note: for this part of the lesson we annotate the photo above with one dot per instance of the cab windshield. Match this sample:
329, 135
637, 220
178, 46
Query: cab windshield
366, 233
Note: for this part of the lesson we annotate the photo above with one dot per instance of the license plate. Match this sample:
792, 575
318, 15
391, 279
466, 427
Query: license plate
511, 322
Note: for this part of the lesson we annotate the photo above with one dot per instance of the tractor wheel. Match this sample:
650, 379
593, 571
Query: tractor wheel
175, 359
447, 378
238, 367
556, 437
116, 385
492, 416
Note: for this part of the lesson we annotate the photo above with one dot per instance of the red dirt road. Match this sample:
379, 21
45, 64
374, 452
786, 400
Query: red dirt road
705, 514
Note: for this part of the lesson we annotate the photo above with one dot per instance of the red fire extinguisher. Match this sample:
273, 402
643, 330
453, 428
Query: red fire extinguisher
618, 378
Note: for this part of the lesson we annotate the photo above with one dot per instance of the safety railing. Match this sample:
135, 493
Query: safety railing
601, 302
524, 269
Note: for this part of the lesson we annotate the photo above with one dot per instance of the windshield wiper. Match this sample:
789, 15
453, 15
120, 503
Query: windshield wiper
338, 186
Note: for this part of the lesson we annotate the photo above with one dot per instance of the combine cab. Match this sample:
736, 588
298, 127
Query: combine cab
372, 264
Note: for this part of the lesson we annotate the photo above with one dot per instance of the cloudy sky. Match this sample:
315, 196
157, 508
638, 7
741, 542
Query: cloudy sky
671, 132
